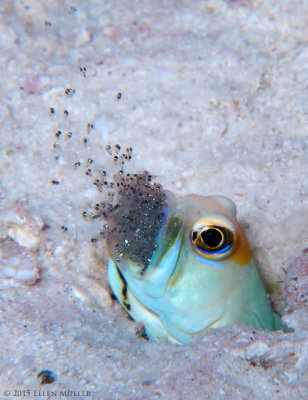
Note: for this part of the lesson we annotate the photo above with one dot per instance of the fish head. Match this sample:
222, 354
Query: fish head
198, 273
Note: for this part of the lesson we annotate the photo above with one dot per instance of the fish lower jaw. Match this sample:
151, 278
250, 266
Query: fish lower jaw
154, 328
157, 327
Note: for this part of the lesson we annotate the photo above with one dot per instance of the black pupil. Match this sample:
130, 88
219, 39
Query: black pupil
211, 237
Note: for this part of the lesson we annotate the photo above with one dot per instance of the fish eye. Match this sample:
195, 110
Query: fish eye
213, 239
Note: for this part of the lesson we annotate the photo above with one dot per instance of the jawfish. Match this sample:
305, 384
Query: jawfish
181, 266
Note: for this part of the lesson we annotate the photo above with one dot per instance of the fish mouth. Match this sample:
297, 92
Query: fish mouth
148, 281
166, 239
139, 233
152, 279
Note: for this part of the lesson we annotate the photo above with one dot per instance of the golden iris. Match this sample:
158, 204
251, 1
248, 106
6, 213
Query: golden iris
213, 240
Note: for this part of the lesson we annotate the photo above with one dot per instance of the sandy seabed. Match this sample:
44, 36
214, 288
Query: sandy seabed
212, 96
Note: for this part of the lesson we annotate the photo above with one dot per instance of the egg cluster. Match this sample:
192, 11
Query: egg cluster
133, 211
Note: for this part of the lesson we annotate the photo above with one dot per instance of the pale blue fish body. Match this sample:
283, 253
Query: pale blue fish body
201, 274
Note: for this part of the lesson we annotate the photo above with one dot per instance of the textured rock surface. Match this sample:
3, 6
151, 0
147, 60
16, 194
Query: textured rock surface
211, 96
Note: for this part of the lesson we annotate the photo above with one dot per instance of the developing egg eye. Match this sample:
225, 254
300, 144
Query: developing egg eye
213, 240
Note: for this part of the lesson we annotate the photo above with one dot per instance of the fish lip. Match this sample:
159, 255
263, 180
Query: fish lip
150, 288
159, 276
